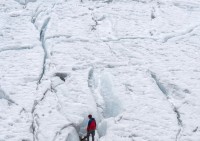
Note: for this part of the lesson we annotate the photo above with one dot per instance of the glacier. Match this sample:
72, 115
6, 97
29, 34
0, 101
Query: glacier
133, 64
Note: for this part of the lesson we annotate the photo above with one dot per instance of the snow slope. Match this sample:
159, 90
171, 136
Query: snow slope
133, 64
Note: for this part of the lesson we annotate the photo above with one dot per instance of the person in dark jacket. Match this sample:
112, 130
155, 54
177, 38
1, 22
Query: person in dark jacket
91, 127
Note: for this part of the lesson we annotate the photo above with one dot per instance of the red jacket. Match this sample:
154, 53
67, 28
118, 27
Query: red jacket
91, 125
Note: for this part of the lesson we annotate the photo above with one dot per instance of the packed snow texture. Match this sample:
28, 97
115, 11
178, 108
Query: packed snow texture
133, 64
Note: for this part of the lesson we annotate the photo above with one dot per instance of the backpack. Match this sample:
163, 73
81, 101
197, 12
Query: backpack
93, 124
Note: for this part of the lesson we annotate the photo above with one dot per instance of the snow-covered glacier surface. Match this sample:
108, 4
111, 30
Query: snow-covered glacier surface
133, 64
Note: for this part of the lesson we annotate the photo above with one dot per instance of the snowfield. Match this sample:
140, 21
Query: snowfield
133, 64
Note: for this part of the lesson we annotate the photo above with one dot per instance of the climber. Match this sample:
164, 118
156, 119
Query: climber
91, 127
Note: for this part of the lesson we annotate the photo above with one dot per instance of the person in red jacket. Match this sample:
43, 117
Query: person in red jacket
91, 127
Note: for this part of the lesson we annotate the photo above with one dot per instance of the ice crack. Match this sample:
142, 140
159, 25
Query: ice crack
35, 124
130, 38
95, 25
3, 95
16, 49
34, 17
175, 109
42, 39
64, 127
178, 34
